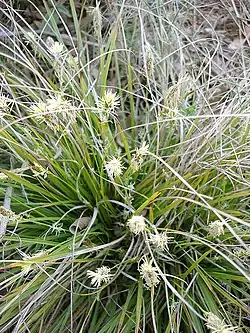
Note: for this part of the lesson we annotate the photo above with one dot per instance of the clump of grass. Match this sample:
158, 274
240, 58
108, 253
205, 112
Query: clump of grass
129, 198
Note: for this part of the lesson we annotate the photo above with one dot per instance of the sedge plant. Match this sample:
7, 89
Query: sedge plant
124, 191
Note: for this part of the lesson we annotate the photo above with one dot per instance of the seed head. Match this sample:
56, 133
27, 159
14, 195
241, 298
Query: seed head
149, 274
160, 241
216, 228
136, 224
107, 105
138, 157
54, 112
39, 170
114, 167
6, 215
216, 325
4, 105
55, 48
97, 20
6, 212
29, 262
143, 150
99, 276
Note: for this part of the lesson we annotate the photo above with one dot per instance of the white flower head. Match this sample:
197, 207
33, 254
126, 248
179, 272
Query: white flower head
136, 224
29, 262
107, 105
114, 167
143, 150
149, 273
55, 48
99, 276
55, 112
217, 325
160, 240
216, 228
38, 109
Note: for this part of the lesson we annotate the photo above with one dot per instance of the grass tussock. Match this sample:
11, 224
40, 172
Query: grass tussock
124, 175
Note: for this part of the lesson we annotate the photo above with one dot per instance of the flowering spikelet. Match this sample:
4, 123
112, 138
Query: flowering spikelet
143, 150
39, 170
97, 21
55, 48
29, 262
6, 215
138, 157
175, 97
149, 274
216, 325
6, 212
99, 276
107, 105
4, 105
160, 240
54, 112
3, 102
136, 224
216, 228
114, 167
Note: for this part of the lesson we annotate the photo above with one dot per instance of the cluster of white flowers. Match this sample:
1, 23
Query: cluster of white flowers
138, 157
39, 170
29, 262
114, 167
107, 105
216, 228
217, 325
136, 224
55, 112
160, 240
149, 273
55, 48
100, 275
